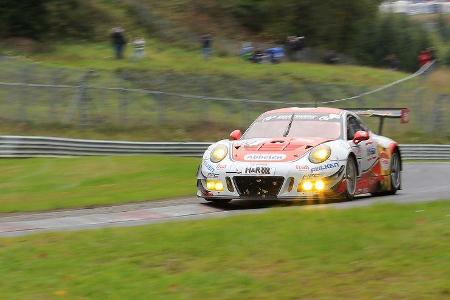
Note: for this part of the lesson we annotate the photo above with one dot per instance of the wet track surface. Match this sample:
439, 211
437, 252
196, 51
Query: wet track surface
421, 182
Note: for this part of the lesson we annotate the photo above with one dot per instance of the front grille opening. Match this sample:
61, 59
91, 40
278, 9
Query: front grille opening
229, 184
258, 186
291, 184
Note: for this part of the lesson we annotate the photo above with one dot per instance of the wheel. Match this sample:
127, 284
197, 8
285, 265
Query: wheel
396, 176
350, 177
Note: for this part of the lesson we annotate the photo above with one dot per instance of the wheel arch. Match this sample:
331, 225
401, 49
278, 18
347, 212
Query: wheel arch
396, 148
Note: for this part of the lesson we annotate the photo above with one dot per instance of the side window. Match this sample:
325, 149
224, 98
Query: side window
362, 126
352, 127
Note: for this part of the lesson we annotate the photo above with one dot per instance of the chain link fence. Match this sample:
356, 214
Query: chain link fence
42, 95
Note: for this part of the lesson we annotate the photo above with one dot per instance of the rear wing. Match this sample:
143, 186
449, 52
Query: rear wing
382, 113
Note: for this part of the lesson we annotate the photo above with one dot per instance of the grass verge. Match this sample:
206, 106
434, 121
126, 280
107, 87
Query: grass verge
48, 183
379, 252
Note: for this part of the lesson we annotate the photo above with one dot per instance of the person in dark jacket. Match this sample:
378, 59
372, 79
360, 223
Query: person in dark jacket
206, 42
118, 41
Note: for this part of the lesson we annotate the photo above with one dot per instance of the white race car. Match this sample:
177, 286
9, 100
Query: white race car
302, 153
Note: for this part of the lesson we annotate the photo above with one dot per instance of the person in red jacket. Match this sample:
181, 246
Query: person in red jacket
423, 58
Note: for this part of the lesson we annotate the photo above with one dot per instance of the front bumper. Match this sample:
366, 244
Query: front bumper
282, 181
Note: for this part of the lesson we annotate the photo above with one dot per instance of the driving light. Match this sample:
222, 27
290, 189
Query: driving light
210, 184
214, 185
219, 153
307, 185
218, 186
320, 154
319, 185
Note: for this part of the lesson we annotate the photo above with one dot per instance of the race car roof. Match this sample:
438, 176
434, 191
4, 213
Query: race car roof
324, 110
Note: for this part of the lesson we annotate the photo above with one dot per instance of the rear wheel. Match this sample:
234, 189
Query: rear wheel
395, 174
350, 177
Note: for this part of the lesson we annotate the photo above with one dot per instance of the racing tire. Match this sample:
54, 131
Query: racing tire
351, 176
395, 174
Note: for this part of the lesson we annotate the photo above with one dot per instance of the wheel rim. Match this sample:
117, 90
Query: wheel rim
351, 177
395, 171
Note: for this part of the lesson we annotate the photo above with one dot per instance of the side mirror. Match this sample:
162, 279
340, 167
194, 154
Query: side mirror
235, 135
360, 136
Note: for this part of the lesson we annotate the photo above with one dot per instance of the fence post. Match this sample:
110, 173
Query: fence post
160, 100
54, 97
123, 107
82, 99
23, 94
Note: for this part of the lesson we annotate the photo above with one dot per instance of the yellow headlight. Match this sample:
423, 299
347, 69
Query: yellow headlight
319, 185
214, 185
307, 185
320, 154
219, 153
210, 184
218, 186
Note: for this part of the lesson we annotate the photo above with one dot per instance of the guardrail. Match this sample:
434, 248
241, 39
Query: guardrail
30, 146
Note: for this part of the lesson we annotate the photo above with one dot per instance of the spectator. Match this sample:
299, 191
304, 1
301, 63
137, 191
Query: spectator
423, 58
138, 48
246, 51
331, 57
392, 61
206, 42
294, 44
118, 41
257, 57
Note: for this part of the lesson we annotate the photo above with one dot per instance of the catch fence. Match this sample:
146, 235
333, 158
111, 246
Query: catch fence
40, 95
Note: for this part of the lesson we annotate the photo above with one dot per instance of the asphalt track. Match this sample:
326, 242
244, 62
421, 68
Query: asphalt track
421, 182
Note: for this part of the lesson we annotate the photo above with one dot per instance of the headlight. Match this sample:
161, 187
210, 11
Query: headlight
219, 153
320, 154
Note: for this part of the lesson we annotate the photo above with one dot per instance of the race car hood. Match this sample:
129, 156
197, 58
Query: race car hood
273, 150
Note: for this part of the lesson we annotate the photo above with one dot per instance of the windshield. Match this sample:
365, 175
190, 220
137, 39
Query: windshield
303, 125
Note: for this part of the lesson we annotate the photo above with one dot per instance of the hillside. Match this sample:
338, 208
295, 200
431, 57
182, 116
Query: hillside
173, 63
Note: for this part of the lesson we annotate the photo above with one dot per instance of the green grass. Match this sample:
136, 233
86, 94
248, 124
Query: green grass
380, 252
50, 183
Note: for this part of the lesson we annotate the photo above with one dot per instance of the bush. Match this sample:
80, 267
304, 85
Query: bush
50, 19
390, 34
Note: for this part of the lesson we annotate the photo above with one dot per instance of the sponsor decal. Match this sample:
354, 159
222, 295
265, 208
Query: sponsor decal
384, 161
209, 167
325, 167
264, 157
371, 151
301, 116
257, 170
221, 166
330, 117
302, 167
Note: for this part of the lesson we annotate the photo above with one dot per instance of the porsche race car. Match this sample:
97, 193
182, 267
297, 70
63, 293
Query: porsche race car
303, 153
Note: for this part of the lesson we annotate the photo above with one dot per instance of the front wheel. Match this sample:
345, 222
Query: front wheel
350, 177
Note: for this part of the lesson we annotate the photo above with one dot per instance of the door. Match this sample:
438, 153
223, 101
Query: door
366, 151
